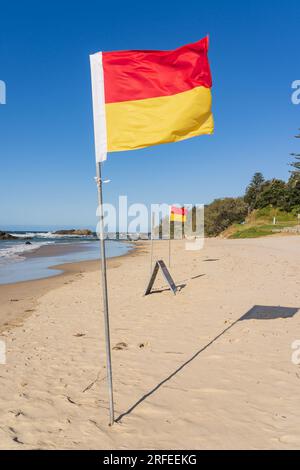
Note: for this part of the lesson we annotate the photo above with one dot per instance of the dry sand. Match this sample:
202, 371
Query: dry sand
192, 372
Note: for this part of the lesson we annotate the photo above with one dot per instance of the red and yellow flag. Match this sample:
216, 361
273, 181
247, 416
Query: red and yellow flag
178, 214
144, 98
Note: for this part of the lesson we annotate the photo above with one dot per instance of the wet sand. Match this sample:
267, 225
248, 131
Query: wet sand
18, 301
55, 250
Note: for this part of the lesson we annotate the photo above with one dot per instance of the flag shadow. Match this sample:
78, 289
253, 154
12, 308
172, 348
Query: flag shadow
180, 284
261, 312
257, 312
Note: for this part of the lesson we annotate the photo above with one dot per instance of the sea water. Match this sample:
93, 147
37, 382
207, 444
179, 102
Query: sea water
17, 265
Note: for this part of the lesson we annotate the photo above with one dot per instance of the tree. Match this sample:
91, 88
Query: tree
295, 173
292, 197
272, 193
253, 190
221, 213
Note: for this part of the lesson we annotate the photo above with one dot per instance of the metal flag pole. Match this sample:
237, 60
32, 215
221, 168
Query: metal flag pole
169, 236
105, 296
151, 252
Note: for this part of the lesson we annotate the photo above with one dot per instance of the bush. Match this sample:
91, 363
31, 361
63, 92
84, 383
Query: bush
292, 196
221, 213
272, 193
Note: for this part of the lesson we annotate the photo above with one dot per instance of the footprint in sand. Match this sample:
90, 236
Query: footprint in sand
15, 438
288, 439
120, 346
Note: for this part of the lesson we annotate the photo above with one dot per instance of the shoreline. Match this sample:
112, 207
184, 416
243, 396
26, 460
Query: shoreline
19, 263
54, 250
19, 299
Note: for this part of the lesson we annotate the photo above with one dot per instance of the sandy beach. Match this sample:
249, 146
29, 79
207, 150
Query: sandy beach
209, 368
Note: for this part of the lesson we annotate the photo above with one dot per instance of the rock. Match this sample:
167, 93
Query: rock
7, 236
74, 232
28, 243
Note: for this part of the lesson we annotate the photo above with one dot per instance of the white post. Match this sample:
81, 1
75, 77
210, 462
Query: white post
105, 297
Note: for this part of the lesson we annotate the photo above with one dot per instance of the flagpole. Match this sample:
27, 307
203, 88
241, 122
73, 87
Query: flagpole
169, 236
105, 297
151, 253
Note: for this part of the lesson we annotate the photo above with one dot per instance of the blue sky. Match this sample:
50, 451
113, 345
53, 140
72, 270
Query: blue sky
46, 130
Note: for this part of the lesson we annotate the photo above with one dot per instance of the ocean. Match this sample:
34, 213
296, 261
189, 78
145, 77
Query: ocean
21, 261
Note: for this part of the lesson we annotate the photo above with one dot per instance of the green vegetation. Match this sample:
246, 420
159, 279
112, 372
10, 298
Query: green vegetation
260, 223
253, 232
296, 163
221, 213
267, 207
253, 190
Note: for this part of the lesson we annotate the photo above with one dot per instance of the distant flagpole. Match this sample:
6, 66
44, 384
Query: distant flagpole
169, 236
151, 251
101, 151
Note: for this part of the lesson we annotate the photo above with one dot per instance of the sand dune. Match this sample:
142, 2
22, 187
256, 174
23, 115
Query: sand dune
208, 368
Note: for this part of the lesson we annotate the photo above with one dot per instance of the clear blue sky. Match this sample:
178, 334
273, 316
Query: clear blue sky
46, 132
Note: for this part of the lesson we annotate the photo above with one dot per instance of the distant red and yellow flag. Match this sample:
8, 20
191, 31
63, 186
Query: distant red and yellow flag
144, 98
178, 214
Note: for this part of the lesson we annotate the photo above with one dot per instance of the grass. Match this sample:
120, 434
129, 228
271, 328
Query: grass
260, 224
252, 232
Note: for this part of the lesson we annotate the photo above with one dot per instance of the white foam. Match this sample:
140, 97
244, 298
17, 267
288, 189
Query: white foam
14, 252
32, 235
46, 235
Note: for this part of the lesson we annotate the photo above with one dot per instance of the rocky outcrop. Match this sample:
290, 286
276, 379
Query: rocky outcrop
7, 236
74, 232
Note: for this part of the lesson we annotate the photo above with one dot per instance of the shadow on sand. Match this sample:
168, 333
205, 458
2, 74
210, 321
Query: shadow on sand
180, 285
164, 289
258, 312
